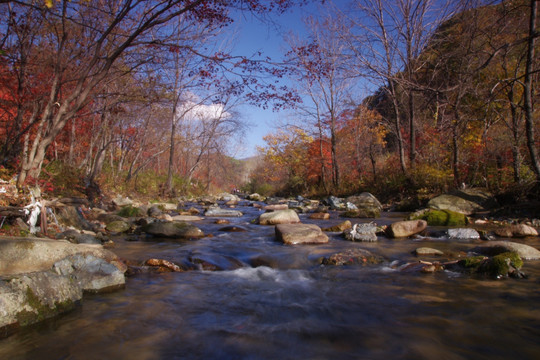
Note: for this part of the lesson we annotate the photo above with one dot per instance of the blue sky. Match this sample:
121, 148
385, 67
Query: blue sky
253, 36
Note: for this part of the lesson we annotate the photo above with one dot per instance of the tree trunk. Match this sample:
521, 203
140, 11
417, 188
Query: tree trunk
529, 120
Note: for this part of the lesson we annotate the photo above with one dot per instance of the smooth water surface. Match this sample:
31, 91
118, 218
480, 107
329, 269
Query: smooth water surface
295, 309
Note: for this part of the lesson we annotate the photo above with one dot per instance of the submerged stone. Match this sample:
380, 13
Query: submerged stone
354, 256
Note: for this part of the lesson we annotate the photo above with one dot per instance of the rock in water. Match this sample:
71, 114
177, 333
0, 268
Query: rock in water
93, 274
173, 230
366, 204
219, 212
463, 233
279, 217
466, 201
406, 228
519, 230
293, 234
497, 247
352, 257
362, 232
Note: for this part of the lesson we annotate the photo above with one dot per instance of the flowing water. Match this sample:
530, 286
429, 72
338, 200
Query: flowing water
294, 308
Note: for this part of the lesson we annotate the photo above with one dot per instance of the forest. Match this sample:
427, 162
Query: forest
402, 98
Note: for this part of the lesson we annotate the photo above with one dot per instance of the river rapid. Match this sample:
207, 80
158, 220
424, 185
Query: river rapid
294, 308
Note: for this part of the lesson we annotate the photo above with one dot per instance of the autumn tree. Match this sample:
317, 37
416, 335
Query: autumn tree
80, 41
324, 78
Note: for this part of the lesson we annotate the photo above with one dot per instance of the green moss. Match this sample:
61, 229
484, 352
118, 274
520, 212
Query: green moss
472, 262
502, 264
130, 211
42, 311
442, 218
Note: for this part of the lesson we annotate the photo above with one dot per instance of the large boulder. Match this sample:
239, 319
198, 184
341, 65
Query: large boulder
180, 230
293, 234
26, 299
366, 203
91, 273
406, 228
279, 217
497, 247
467, 201
23, 255
362, 232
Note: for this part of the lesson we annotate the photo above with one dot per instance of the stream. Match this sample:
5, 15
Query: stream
294, 308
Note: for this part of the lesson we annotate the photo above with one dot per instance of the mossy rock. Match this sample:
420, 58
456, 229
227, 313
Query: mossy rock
130, 211
441, 217
505, 264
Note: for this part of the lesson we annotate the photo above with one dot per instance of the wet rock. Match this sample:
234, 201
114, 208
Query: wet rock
426, 251
467, 201
219, 212
361, 214
222, 221
107, 218
362, 232
497, 247
211, 262
30, 298
519, 230
164, 265
77, 237
339, 227
402, 229
352, 257
91, 273
501, 265
279, 217
229, 198
320, 216
463, 233
293, 234
173, 230
424, 267
118, 226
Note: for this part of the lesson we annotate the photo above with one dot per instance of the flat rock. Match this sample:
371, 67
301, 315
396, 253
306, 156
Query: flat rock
23, 255
187, 218
275, 207
180, 230
339, 227
467, 201
406, 228
293, 234
279, 217
219, 212
427, 251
